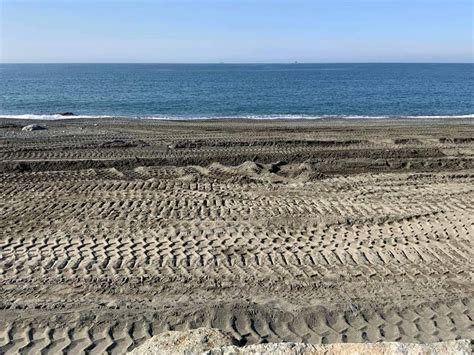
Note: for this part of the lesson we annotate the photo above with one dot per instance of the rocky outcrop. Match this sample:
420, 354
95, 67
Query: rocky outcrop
215, 342
194, 341
461, 347
33, 127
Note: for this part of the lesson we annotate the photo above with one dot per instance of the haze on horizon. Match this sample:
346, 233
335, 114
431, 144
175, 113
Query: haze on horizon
248, 31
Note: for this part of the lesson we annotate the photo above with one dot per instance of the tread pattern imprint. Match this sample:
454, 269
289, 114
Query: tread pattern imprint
308, 232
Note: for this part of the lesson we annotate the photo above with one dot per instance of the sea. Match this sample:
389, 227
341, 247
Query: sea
255, 91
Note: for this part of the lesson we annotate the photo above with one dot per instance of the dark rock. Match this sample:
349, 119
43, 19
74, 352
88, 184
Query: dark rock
33, 127
274, 168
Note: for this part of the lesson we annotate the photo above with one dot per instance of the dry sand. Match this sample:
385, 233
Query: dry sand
307, 231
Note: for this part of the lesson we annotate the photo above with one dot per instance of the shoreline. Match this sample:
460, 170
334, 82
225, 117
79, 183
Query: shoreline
277, 117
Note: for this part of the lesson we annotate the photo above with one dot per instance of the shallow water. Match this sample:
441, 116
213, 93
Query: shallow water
237, 90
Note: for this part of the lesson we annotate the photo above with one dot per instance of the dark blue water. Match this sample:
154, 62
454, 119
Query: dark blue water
235, 90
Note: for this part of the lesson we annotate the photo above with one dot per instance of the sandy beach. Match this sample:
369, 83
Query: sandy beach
316, 231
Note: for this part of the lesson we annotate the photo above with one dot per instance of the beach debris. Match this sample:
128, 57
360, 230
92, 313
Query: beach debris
33, 127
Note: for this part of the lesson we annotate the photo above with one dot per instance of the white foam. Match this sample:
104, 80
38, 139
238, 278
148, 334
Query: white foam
303, 117
48, 117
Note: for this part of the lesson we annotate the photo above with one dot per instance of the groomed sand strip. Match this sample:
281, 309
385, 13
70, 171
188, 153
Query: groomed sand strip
215, 342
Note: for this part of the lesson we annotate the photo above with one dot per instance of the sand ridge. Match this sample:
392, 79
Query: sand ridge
113, 231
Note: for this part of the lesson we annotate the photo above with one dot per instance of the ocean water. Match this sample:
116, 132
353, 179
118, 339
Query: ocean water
236, 90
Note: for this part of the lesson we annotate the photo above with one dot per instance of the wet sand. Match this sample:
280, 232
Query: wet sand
307, 231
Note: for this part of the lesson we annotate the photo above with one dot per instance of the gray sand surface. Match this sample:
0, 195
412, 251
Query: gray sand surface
113, 231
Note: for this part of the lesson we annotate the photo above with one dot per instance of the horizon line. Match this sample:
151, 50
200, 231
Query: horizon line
237, 63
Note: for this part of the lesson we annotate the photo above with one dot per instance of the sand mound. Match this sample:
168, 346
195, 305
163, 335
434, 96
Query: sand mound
248, 168
215, 342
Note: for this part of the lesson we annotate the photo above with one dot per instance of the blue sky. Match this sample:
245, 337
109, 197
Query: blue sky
236, 30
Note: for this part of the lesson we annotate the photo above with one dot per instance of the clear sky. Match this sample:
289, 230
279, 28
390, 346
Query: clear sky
236, 30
